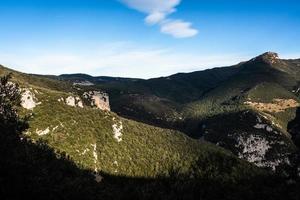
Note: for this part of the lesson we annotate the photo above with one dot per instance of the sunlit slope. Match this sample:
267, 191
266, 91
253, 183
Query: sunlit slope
105, 143
266, 85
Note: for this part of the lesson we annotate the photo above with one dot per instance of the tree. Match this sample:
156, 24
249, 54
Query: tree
10, 124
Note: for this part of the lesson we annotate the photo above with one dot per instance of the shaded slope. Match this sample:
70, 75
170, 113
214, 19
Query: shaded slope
152, 162
33, 170
185, 101
165, 101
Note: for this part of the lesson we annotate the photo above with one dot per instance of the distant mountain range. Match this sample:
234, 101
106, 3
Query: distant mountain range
229, 132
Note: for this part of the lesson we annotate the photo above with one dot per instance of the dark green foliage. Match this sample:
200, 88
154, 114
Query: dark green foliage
219, 129
182, 101
10, 124
33, 170
30, 170
153, 163
294, 128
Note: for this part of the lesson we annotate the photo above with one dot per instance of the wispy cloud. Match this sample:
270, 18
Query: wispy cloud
121, 59
157, 12
178, 29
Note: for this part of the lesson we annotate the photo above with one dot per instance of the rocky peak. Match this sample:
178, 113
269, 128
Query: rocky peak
268, 57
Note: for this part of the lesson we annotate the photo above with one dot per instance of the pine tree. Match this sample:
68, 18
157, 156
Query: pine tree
10, 124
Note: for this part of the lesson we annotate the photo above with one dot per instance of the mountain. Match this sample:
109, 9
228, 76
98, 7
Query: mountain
78, 78
261, 94
218, 133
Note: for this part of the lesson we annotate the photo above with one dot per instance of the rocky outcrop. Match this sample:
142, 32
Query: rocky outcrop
72, 101
98, 99
98, 177
43, 132
268, 57
28, 99
117, 130
83, 83
255, 138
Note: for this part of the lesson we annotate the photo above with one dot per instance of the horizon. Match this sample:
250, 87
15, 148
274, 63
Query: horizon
159, 38
83, 73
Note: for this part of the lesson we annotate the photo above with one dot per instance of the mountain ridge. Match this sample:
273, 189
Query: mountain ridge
185, 101
234, 125
268, 57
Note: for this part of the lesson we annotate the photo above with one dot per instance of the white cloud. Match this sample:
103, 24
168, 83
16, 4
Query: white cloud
152, 6
117, 60
155, 18
178, 29
157, 12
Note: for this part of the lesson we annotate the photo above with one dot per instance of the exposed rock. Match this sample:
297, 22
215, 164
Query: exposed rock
268, 57
85, 151
98, 99
43, 132
264, 126
296, 90
80, 104
56, 127
116, 164
60, 99
83, 83
117, 131
28, 100
255, 139
254, 148
72, 101
98, 177
260, 126
269, 128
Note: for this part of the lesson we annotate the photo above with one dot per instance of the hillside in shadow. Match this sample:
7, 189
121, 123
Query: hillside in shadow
33, 170
294, 128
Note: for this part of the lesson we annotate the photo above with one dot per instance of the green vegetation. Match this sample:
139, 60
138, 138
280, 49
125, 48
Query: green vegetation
145, 151
151, 162
67, 152
185, 102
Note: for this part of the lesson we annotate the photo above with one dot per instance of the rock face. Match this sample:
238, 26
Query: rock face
254, 148
268, 57
98, 99
28, 100
72, 101
117, 130
256, 139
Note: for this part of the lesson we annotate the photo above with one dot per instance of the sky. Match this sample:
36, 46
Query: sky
143, 38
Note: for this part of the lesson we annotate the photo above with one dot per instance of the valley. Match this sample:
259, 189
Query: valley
231, 127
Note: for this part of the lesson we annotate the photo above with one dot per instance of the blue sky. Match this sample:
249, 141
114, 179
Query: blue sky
143, 38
